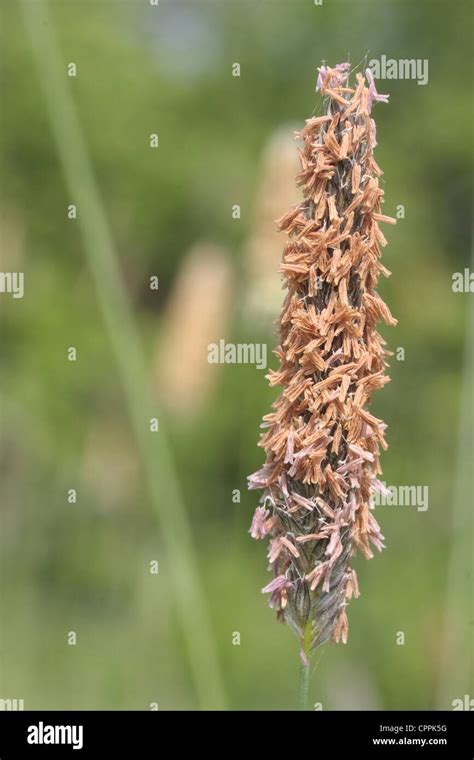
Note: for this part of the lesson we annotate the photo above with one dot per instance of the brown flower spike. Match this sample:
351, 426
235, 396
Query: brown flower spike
322, 443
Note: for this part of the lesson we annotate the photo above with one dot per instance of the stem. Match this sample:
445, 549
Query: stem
164, 488
303, 687
304, 669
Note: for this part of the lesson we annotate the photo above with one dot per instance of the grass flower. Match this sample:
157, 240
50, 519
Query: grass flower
321, 441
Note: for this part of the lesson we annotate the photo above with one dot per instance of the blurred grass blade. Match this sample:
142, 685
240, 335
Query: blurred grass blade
181, 563
456, 667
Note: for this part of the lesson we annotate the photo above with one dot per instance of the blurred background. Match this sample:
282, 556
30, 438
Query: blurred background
194, 631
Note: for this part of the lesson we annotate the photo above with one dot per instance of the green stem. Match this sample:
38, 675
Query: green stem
164, 487
303, 687
304, 669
